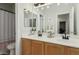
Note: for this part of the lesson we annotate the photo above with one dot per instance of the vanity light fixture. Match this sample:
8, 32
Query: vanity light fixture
27, 11
38, 4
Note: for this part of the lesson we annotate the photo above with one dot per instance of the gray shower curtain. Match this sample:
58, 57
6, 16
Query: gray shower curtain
7, 28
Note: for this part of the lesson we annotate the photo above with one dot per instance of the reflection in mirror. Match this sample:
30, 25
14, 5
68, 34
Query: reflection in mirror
41, 23
34, 22
58, 19
63, 23
30, 20
27, 18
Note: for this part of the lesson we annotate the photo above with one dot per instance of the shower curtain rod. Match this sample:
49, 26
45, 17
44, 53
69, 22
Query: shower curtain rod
6, 10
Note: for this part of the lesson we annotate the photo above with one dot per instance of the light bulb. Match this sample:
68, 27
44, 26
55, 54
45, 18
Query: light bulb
48, 6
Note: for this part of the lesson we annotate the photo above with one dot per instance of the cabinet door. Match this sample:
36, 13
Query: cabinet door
53, 49
26, 46
71, 51
37, 48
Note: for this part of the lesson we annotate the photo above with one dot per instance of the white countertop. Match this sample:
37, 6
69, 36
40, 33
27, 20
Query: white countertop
72, 42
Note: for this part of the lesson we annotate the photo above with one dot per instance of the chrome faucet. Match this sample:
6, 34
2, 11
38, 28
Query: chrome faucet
65, 36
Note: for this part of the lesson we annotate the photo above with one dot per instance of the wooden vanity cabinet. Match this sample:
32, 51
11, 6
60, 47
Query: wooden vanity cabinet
53, 49
34, 47
26, 46
71, 51
37, 48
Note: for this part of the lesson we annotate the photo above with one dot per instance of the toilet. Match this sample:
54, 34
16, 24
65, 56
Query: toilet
11, 47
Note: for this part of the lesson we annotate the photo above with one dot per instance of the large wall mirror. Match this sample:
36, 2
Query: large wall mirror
58, 19
30, 19
63, 20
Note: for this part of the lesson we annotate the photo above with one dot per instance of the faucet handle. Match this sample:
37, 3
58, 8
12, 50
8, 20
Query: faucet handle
68, 37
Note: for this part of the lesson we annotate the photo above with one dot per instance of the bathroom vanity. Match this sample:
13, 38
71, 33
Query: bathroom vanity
55, 21
33, 45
